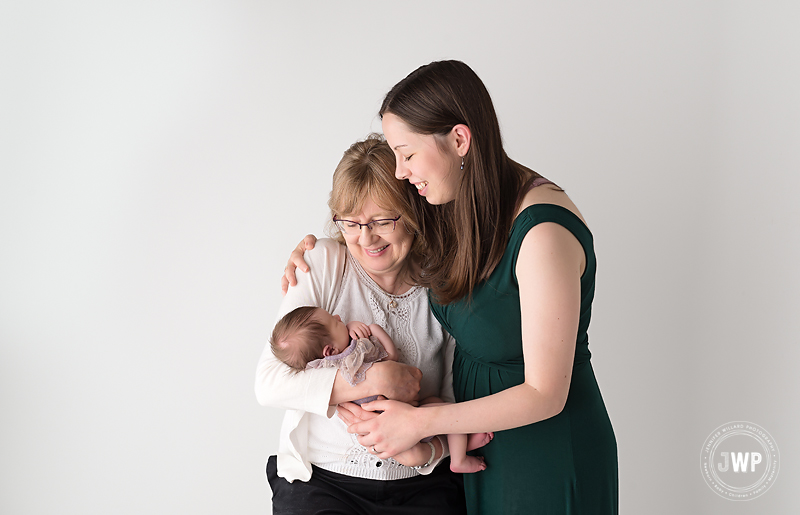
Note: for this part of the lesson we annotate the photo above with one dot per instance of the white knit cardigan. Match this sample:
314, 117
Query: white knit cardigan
311, 433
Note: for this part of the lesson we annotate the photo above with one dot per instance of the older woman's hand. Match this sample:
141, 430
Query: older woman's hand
395, 430
296, 261
396, 381
391, 379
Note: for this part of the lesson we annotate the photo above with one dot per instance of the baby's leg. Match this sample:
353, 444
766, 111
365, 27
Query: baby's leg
477, 440
459, 461
460, 444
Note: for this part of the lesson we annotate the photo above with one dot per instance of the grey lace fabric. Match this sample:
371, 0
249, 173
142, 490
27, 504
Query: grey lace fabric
355, 360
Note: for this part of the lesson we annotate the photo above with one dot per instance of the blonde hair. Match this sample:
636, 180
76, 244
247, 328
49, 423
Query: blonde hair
366, 171
299, 337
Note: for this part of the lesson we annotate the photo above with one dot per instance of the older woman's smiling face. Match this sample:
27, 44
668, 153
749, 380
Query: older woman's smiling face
383, 256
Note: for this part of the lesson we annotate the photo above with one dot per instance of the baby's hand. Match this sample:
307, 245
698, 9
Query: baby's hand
358, 330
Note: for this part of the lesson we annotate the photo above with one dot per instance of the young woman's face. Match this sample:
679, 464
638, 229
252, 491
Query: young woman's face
435, 173
381, 255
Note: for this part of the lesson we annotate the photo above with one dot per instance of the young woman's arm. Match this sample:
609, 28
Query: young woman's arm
289, 277
549, 268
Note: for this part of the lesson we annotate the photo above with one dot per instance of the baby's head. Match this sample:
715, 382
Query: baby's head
308, 333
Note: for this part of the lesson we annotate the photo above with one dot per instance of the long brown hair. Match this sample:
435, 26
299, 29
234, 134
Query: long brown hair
466, 238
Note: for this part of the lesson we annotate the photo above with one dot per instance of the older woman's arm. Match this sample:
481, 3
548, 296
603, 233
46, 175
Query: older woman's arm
276, 384
317, 390
279, 386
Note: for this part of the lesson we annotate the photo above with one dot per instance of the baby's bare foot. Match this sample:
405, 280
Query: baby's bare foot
468, 465
478, 440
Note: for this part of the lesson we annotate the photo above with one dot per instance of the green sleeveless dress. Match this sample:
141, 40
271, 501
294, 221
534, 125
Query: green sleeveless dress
566, 464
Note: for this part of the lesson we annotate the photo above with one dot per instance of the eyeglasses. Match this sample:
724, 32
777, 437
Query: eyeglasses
382, 226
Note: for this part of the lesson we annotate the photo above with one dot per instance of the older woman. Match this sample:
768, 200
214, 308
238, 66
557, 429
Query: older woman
365, 274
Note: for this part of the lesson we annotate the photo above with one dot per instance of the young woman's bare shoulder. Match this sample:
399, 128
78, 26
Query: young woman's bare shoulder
543, 233
549, 194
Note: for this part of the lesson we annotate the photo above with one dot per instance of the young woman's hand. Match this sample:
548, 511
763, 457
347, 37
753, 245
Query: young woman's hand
418, 454
392, 432
296, 261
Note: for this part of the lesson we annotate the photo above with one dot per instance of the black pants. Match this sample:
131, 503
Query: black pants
440, 493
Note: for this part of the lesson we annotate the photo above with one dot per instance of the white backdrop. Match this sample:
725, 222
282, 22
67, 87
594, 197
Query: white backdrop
158, 160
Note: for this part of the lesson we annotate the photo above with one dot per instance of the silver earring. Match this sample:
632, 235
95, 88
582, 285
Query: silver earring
462, 163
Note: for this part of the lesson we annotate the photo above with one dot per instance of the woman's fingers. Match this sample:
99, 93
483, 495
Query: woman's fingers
296, 261
345, 414
374, 448
376, 405
365, 415
372, 441
350, 413
309, 241
396, 380
394, 431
